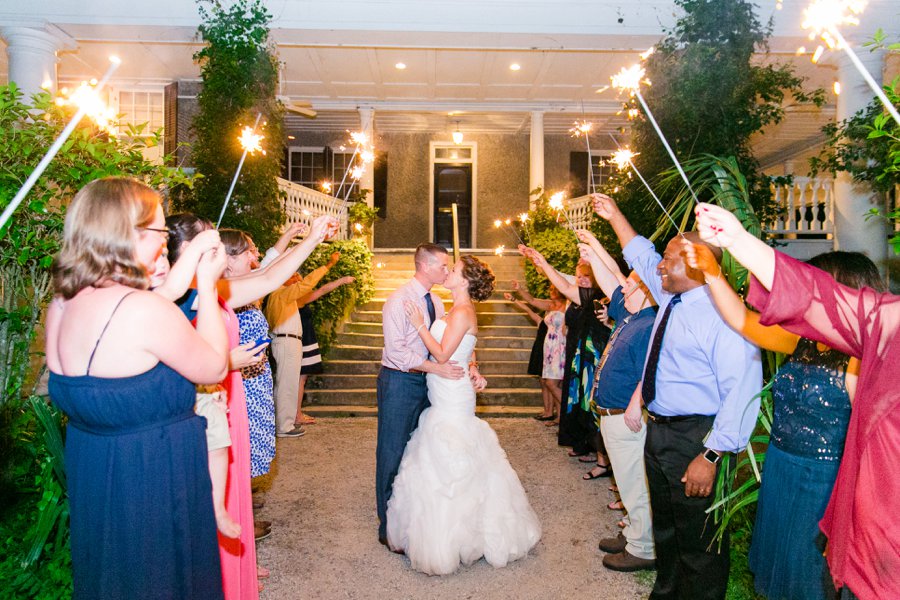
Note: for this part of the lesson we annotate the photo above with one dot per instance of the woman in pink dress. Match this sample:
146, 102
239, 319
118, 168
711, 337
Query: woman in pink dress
238, 555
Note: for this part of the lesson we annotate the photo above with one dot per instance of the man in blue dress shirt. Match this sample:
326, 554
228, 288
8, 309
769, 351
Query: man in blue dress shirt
699, 386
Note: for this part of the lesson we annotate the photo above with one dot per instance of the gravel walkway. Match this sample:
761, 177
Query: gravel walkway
320, 497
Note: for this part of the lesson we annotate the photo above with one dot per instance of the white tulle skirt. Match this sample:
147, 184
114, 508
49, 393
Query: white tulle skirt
456, 498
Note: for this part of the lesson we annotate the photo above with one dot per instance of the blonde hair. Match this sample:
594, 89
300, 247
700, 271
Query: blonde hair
99, 237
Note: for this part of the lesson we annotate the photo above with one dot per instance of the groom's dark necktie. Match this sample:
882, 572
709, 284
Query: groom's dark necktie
429, 304
648, 387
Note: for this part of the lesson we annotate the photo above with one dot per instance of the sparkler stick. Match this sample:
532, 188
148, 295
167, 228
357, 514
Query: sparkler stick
584, 128
630, 79
823, 17
622, 158
250, 142
54, 148
508, 222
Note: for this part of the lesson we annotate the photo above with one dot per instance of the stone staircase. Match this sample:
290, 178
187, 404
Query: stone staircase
504, 343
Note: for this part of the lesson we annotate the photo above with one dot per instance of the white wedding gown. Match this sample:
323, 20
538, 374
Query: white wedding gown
456, 498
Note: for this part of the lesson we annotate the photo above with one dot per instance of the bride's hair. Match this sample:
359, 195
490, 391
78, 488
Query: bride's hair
479, 276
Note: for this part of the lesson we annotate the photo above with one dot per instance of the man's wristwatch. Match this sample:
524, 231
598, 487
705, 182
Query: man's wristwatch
712, 456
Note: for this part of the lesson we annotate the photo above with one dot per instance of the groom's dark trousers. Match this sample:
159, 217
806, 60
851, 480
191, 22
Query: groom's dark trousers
401, 399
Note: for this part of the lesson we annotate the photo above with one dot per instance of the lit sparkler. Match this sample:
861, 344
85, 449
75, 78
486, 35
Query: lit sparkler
556, 203
54, 148
630, 79
822, 18
326, 187
249, 141
358, 227
584, 128
499, 250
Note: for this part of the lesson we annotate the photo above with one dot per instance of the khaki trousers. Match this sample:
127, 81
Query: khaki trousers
626, 453
288, 353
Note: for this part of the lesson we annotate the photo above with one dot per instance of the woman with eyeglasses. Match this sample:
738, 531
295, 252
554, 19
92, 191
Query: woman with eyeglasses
123, 364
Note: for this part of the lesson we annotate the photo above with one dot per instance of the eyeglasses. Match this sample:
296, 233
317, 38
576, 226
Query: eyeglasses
164, 231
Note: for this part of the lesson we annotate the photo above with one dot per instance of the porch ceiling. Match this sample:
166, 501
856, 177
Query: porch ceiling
457, 56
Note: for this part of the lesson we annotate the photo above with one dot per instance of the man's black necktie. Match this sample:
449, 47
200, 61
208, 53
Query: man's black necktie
648, 387
429, 304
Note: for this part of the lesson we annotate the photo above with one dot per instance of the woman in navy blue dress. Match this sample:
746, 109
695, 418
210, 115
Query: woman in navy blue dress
123, 363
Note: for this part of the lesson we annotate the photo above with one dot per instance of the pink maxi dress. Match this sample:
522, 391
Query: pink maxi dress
238, 556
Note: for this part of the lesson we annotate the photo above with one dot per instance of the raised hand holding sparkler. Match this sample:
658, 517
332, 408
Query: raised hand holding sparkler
822, 18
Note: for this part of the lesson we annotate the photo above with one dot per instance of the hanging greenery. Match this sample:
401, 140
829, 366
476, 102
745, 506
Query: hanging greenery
34, 534
709, 95
239, 71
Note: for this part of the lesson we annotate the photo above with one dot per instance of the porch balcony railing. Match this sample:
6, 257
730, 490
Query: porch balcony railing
301, 203
805, 207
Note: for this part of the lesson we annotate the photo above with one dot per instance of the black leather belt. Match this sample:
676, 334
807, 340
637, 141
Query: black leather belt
662, 420
290, 335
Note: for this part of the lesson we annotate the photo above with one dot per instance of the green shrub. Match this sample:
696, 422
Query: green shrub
333, 309
34, 552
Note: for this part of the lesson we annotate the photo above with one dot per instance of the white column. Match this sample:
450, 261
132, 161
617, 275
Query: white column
32, 57
536, 157
367, 126
853, 232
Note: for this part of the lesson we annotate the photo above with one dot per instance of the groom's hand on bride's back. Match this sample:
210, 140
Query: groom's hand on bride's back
448, 370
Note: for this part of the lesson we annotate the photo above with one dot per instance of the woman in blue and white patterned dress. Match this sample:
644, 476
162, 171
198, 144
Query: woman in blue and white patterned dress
243, 256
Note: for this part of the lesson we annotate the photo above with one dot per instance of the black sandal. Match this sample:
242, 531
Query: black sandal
606, 472
543, 418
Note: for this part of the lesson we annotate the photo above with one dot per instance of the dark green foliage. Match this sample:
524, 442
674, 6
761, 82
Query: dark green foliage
709, 97
544, 232
333, 309
240, 75
34, 551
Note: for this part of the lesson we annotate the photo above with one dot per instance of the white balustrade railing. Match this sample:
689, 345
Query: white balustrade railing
303, 204
804, 207
579, 212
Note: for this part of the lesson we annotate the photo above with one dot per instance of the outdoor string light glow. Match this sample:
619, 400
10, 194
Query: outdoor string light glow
250, 142
822, 18
54, 147
630, 79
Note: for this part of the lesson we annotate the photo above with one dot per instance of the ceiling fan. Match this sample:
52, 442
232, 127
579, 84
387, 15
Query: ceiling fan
300, 107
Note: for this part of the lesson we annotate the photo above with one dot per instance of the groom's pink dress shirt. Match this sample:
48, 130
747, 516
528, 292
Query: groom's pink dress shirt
403, 348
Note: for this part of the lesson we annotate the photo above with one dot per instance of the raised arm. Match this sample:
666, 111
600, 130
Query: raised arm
612, 266
606, 279
524, 306
719, 227
182, 272
281, 246
732, 308
326, 288
538, 303
459, 323
241, 291
606, 208
564, 283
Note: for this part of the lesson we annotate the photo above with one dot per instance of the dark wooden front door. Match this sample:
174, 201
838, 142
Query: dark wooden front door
452, 184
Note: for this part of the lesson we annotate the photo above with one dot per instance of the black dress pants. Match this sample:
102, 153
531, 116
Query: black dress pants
682, 531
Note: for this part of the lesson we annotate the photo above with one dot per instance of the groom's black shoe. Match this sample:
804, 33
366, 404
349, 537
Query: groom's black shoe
384, 542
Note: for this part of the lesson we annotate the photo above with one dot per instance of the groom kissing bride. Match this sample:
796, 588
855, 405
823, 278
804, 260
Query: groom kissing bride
446, 493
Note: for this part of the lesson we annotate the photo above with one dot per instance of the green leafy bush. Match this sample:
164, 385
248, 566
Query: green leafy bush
34, 554
240, 75
331, 310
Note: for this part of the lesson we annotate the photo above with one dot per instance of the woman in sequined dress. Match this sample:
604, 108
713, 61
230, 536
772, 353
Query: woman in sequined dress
812, 393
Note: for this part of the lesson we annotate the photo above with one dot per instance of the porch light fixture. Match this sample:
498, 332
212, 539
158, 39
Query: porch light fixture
515, 67
457, 135
400, 66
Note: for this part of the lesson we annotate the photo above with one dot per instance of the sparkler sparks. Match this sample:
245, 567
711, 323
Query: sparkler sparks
629, 78
622, 158
499, 250
251, 141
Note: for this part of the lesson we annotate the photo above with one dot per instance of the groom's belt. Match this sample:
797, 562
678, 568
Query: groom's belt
413, 373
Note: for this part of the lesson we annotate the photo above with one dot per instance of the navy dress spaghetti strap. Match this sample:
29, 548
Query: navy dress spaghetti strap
140, 497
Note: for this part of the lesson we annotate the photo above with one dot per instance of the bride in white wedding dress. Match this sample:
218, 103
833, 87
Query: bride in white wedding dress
456, 498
